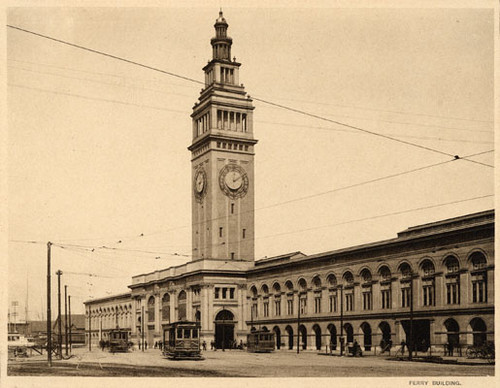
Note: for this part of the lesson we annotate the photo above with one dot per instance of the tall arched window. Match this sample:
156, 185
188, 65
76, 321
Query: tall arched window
452, 280
331, 280
151, 309
254, 312
181, 306
348, 280
385, 287
165, 308
478, 277
428, 283
277, 299
406, 274
366, 289
265, 300
289, 297
303, 296
317, 294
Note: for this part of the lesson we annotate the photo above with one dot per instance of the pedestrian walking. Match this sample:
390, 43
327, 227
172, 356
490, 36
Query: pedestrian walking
403, 346
204, 345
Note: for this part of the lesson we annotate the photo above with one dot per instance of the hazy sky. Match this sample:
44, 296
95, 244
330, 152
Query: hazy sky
97, 147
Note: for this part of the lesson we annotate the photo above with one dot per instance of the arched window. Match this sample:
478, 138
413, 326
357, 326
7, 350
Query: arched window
366, 289
181, 306
478, 331
348, 279
406, 274
277, 299
428, 285
289, 297
265, 300
478, 277
385, 287
151, 309
165, 308
317, 294
303, 296
452, 279
331, 280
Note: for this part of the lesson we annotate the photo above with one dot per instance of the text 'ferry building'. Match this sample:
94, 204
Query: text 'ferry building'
441, 271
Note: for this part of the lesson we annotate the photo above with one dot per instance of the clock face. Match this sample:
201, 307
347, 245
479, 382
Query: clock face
233, 181
200, 184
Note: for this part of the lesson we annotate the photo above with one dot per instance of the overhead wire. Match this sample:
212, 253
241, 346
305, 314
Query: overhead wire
189, 96
299, 111
308, 196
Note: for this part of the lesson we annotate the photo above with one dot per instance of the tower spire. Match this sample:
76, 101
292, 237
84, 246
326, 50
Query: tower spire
221, 43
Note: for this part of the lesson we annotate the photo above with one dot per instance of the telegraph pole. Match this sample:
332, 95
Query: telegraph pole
66, 317
69, 310
59, 273
49, 323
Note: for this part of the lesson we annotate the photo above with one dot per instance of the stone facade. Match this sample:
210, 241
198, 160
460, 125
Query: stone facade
434, 280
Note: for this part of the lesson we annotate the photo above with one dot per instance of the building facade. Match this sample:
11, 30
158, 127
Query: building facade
435, 280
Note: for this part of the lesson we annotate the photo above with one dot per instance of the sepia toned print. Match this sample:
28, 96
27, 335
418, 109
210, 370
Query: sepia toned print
365, 151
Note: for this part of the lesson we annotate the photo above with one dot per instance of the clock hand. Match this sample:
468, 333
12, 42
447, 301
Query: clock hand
240, 177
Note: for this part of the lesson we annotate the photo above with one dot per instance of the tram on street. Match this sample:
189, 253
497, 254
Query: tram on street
118, 341
260, 341
181, 340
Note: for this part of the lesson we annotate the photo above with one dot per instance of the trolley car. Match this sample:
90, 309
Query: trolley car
181, 340
260, 341
118, 341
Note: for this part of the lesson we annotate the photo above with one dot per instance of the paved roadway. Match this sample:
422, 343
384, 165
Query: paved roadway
236, 363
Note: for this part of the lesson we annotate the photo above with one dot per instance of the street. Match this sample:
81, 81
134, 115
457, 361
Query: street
236, 363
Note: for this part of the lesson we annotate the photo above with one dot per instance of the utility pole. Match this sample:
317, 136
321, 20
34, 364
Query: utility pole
69, 311
341, 320
66, 317
410, 344
59, 273
49, 323
298, 325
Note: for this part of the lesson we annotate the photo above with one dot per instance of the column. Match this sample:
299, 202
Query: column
173, 298
464, 287
157, 313
490, 286
440, 292
210, 314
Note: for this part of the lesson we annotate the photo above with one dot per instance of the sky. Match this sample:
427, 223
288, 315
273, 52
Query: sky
97, 147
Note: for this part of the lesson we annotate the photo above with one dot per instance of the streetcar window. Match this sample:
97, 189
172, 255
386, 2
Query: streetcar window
195, 333
179, 333
187, 333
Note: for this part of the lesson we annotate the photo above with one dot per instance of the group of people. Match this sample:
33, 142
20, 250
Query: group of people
234, 345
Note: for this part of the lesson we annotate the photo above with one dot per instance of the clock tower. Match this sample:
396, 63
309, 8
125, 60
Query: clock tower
222, 159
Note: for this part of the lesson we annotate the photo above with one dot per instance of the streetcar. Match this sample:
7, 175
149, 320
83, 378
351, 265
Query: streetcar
260, 341
118, 341
181, 340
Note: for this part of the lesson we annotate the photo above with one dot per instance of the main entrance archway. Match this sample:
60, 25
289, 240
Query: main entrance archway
224, 329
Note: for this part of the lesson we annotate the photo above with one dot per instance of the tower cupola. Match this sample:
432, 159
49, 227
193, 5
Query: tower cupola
221, 43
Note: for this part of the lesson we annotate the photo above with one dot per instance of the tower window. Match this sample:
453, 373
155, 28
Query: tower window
220, 231
232, 208
244, 233
232, 255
